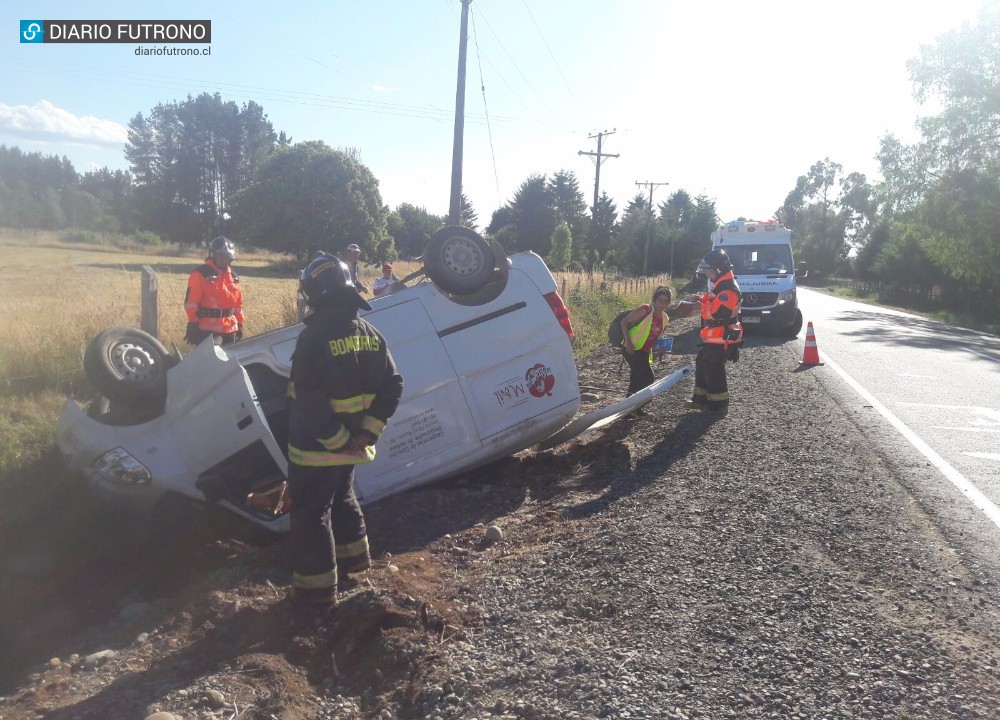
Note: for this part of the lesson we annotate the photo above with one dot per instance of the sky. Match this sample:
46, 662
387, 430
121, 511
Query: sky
723, 98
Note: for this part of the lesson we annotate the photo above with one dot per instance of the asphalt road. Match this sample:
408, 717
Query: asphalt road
931, 391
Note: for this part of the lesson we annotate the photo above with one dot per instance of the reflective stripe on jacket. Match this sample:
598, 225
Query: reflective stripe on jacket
720, 309
214, 299
343, 381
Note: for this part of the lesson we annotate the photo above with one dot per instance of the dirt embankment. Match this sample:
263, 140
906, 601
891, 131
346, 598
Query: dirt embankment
765, 565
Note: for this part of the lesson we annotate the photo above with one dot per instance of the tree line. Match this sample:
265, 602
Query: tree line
203, 166
931, 225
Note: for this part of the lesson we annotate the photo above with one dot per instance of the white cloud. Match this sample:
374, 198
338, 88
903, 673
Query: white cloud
44, 122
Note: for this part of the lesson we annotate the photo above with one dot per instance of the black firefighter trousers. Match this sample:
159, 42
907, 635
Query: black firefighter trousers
328, 527
711, 391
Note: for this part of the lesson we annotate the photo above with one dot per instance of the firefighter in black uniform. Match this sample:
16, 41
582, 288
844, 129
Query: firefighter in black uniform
721, 334
344, 388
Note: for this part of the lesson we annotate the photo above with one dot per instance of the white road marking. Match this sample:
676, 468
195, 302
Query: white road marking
989, 420
965, 429
984, 456
957, 479
982, 355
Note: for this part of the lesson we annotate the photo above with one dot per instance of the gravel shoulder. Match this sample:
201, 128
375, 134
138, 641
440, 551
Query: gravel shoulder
770, 564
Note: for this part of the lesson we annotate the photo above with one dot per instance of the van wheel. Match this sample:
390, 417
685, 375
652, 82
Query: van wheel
128, 366
793, 330
458, 260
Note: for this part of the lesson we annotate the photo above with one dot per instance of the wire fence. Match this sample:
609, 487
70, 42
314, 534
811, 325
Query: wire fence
621, 285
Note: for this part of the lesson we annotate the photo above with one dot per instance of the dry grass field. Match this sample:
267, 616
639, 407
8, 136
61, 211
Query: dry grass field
55, 296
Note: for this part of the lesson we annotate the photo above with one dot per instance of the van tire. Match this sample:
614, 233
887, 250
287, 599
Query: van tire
792, 330
128, 366
458, 260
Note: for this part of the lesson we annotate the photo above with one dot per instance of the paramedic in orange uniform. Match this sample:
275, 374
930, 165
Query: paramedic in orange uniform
721, 335
214, 301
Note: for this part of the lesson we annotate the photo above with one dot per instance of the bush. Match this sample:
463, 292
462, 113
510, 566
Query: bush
84, 236
146, 238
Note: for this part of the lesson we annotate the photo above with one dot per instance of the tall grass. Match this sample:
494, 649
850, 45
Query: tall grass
54, 299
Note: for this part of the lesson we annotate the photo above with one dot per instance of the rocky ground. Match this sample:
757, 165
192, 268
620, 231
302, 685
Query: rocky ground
770, 564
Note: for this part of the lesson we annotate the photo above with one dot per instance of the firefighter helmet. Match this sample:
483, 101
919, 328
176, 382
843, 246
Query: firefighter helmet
326, 281
222, 246
717, 260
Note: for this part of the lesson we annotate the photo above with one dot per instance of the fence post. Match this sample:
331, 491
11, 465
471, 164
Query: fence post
563, 293
150, 314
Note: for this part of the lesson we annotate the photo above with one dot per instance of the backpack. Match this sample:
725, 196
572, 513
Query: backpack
615, 336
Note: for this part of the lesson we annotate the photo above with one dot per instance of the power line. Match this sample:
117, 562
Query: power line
242, 92
552, 55
514, 63
489, 130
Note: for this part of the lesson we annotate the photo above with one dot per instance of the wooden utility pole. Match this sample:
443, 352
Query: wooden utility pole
455, 212
597, 190
649, 221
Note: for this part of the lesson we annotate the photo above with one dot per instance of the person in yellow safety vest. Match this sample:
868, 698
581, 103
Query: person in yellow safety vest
641, 328
214, 300
344, 388
721, 335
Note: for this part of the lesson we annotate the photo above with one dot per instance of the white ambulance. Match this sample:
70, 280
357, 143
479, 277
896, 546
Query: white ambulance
761, 253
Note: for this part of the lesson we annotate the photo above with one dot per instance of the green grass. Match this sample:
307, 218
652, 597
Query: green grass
26, 425
591, 314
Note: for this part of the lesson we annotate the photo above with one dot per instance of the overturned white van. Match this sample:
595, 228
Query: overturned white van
761, 253
488, 370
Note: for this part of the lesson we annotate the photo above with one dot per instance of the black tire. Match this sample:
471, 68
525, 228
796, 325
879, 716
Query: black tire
458, 260
128, 366
793, 330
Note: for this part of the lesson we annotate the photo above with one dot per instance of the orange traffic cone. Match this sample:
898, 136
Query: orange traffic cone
810, 355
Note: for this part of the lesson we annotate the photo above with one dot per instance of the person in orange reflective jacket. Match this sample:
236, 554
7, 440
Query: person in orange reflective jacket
721, 335
344, 387
214, 300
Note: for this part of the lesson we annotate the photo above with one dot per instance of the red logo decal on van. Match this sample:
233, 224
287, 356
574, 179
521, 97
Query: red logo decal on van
540, 380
